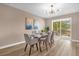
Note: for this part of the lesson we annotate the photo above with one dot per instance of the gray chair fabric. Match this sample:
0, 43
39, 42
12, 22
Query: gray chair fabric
50, 38
30, 40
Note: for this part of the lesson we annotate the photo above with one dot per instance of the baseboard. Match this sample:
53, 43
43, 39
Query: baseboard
75, 40
10, 45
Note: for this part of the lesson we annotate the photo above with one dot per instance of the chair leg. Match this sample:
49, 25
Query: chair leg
30, 50
25, 47
37, 46
46, 44
40, 46
43, 43
33, 46
53, 41
50, 44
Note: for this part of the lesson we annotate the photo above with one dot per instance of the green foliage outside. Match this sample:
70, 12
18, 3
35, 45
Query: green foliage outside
65, 26
46, 29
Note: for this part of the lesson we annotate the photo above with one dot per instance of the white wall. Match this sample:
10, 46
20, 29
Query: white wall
40, 23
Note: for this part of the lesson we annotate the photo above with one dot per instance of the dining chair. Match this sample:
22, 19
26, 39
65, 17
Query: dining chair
31, 42
52, 38
49, 38
44, 40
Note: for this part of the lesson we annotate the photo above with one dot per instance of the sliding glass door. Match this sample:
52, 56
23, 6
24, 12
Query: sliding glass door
65, 28
56, 28
62, 27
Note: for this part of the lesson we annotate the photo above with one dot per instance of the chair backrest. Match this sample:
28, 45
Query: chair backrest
27, 38
52, 36
49, 36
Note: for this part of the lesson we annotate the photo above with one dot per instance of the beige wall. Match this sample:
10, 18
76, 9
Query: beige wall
75, 24
12, 25
40, 23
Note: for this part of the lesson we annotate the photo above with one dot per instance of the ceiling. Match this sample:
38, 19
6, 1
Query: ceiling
42, 9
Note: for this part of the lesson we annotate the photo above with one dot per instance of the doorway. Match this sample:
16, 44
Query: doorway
62, 28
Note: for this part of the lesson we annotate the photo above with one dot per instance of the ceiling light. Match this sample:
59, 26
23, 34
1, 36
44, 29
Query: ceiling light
53, 11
